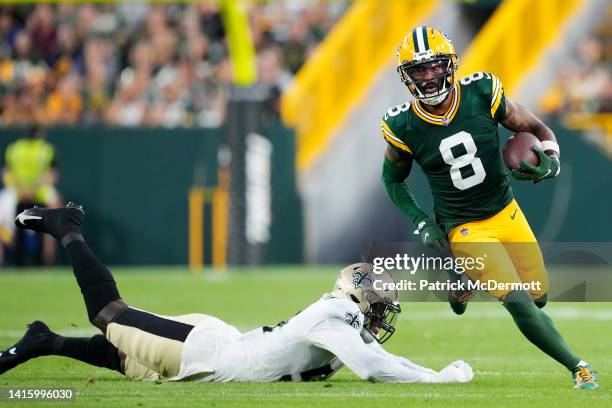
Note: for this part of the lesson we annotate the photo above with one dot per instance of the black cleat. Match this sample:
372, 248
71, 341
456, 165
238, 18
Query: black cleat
55, 221
37, 341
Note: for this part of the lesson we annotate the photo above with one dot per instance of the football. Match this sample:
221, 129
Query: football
518, 147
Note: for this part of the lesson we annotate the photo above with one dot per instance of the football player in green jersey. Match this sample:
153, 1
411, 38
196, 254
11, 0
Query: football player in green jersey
450, 130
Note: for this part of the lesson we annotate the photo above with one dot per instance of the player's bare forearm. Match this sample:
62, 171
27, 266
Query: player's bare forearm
520, 119
399, 159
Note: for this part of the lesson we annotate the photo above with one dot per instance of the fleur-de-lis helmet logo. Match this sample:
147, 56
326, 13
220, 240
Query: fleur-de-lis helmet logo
361, 279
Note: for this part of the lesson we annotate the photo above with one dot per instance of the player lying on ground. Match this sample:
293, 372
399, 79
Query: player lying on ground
450, 130
342, 328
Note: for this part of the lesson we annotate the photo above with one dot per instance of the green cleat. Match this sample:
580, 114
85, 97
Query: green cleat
458, 299
585, 378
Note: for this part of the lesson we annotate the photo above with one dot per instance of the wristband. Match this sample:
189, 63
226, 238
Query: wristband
550, 145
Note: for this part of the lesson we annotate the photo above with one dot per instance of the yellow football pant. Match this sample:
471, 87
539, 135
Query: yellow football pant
509, 250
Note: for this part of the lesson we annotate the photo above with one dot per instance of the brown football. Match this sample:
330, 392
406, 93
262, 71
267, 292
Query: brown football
518, 148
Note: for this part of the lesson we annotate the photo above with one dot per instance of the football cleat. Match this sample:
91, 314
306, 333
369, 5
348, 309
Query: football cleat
37, 341
458, 300
585, 378
55, 221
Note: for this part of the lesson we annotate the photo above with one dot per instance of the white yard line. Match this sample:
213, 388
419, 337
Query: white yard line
560, 313
494, 313
369, 394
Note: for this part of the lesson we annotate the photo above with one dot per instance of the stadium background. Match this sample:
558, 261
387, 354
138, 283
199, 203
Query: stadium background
184, 162
144, 111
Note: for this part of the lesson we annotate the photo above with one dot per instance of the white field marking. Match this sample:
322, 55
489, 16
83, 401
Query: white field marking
510, 373
494, 313
369, 394
561, 313
333, 394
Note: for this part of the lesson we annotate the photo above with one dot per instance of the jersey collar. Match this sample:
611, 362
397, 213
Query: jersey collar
445, 119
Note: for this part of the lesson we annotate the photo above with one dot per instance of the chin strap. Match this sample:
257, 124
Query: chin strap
434, 100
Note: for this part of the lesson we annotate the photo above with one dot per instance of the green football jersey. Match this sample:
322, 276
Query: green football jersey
459, 152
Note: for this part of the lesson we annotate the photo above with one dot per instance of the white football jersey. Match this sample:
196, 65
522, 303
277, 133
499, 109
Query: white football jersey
311, 345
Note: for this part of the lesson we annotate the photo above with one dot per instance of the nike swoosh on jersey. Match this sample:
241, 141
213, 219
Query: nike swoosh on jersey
13, 351
513, 214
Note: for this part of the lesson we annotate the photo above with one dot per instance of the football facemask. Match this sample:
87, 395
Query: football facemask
429, 81
381, 317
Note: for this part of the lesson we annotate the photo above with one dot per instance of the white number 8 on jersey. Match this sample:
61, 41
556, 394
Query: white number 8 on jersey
467, 159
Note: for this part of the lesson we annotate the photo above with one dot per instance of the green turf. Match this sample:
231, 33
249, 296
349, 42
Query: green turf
508, 370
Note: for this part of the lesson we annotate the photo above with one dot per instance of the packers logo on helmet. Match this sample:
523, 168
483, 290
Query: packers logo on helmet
427, 64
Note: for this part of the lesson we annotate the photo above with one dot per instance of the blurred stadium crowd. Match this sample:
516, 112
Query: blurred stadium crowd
136, 64
584, 84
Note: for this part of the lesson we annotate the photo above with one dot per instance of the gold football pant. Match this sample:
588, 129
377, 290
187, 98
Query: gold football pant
508, 249
153, 344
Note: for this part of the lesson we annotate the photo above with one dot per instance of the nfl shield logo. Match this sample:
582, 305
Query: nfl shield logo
464, 232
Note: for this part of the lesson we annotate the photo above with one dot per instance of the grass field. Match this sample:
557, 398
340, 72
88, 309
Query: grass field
508, 370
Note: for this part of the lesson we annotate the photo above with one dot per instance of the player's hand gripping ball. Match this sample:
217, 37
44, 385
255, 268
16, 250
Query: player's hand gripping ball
524, 157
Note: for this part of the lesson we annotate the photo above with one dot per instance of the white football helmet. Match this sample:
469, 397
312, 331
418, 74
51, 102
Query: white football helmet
375, 294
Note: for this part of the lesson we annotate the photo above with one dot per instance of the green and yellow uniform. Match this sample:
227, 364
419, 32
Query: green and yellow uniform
28, 162
459, 152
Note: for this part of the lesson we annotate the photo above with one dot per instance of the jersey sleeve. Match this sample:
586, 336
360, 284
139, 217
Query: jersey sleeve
344, 341
343, 309
498, 99
401, 360
389, 128
491, 89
